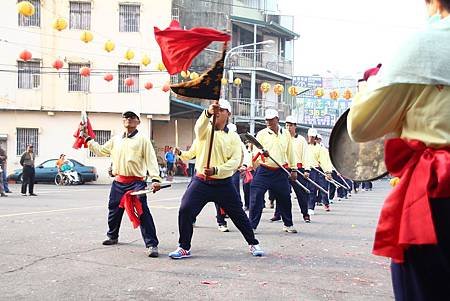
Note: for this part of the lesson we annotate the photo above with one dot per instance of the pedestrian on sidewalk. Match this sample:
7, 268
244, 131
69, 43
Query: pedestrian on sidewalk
27, 161
133, 157
3, 163
411, 97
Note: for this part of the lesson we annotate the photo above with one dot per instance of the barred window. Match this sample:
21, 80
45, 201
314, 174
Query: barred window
76, 81
34, 19
101, 137
80, 15
26, 136
129, 15
127, 71
28, 74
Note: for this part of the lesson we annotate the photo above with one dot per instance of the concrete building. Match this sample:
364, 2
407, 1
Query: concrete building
42, 105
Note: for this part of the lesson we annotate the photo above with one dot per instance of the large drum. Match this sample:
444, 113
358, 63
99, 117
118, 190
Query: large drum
356, 161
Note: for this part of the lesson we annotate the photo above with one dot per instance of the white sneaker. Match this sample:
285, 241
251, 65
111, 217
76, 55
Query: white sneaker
256, 250
223, 228
310, 212
289, 229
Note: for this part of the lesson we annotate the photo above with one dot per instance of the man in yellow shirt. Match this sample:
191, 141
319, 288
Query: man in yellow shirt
299, 146
214, 184
278, 143
411, 98
133, 158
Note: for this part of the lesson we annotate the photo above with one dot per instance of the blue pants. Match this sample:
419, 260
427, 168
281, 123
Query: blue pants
367, 185
316, 194
115, 214
341, 192
277, 181
302, 195
28, 179
5, 182
235, 179
198, 194
246, 189
425, 273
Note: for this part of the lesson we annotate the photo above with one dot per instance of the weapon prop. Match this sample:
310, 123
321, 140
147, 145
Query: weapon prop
256, 143
345, 182
332, 181
145, 191
83, 123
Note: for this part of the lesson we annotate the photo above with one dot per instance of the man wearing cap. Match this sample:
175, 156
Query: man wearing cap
214, 184
268, 175
299, 146
318, 159
27, 162
133, 158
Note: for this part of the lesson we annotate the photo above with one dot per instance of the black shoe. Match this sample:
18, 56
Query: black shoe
275, 219
33, 194
110, 242
152, 252
3, 195
9, 191
307, 218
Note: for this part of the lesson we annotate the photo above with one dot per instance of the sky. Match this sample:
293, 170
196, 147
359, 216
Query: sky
346, 37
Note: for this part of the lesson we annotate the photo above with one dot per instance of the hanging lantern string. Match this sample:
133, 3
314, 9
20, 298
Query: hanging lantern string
56, 15
94, 72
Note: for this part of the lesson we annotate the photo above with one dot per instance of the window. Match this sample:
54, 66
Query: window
80, 15
27, 136
28, 74
127, 71
33, 20
129, 17
101, 137
49, 164
76, 81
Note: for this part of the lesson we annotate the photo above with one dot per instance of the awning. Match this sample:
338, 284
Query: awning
270, 27
184, 109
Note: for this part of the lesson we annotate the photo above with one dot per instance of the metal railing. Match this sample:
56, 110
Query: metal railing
241, 108
263, 59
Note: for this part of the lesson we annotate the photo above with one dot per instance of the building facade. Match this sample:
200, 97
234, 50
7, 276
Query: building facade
41, 104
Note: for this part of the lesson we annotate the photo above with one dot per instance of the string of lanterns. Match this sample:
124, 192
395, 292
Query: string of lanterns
333, 94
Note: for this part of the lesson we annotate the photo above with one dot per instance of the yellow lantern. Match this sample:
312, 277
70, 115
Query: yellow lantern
60, 24
394, 181
194, 75
224, 81
86, 36
109, 46
145, 60
278, 89
237, 81
319, 92
25, 8
265, 87
293, 90
185, 74
161, 67
334, 94
347, 94
129, 54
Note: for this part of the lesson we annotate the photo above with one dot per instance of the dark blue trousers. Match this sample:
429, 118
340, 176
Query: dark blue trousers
246, 189
317, 195
115, 214
198, 194
341, 192
277, 181
425, 273
302, 196
5, 182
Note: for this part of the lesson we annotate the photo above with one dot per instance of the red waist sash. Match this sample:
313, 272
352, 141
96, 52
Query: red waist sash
406, 217
127, 179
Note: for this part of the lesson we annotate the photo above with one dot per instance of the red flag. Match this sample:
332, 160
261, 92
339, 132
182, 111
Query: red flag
179, 47
80, 141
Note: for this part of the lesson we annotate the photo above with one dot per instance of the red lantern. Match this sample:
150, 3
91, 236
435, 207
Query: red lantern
165, 87
25, 55
129, 82
108, 77
148, 85
85, 71
58, 64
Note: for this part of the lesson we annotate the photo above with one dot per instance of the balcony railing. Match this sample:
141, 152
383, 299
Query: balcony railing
241, 108
263, 59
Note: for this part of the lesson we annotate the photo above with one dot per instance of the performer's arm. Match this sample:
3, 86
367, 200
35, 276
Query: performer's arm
151, 162
376, 113
101, 150
189, 154
325, 161
202, 125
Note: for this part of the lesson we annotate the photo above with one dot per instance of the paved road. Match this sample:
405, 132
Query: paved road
51, 250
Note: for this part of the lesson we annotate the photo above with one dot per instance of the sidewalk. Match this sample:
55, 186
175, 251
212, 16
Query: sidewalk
177, 179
